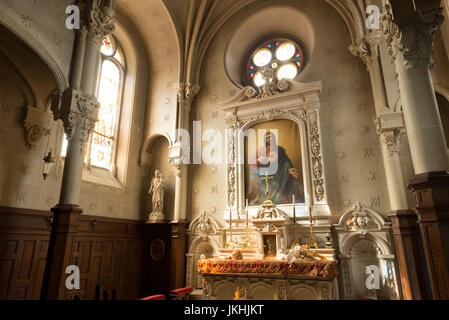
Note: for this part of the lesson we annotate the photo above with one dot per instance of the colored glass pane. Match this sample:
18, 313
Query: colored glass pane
262, 57
285, 51
258, 79
108, 47
108, 96
287, 71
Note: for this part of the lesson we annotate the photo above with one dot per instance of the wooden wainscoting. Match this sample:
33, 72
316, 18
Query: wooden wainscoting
108, 252
24, 237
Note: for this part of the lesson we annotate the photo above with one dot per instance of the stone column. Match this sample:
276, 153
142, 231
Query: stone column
409, 29
390, 127
78, 109
186, 94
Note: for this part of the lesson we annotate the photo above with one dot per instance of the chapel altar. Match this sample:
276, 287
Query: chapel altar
277, 241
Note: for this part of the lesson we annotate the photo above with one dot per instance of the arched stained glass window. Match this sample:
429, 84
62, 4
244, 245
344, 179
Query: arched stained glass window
102, 144
283, 56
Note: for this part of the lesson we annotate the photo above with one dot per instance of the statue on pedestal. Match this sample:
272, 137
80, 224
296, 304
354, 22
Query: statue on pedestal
157, 188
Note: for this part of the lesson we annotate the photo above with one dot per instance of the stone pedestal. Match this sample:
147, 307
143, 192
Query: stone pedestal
406, 237
432, 207
60, 249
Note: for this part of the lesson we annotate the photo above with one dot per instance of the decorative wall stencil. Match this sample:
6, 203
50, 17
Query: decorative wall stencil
331, 91
371, 176
21, 197
375, 202
26, 21
6, 108
214, 189
368, 152
364, 129
214, 169
361, 107
347, 203
25, 169
50, 201
214, 114
341, 155
339, 133
344, 179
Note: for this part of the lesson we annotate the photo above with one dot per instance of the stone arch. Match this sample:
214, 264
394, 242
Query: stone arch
302, 292
35, 46
260, 291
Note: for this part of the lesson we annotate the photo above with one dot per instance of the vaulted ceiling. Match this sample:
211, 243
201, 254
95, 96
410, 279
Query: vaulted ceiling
192, 24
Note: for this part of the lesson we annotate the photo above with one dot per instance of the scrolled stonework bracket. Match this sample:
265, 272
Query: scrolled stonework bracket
390, 128
37, 124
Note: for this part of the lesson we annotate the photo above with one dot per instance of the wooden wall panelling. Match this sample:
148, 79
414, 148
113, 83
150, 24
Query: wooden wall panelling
24, 238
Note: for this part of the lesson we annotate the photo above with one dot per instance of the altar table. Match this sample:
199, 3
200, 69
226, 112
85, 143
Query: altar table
268, 279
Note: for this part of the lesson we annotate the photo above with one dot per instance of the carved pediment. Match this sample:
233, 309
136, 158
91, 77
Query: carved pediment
203, 225
361, 219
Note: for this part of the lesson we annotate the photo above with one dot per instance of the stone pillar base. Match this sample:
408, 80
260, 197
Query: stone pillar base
408, 249
432, 207
60, 250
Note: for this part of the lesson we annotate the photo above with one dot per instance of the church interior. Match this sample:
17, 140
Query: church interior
224, 149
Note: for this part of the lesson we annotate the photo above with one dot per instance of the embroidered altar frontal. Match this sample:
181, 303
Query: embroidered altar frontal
316, 269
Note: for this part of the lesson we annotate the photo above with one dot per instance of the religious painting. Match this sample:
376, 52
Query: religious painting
269, 246
274, 163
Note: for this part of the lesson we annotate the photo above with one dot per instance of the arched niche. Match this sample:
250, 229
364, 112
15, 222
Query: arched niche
364, 239
159, 148
203, 239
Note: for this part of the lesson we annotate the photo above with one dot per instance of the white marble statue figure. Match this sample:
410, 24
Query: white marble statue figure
157, 188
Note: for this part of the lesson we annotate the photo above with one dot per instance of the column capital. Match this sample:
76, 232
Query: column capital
77, 109
186, 93
99, 20
409, 32
390, 128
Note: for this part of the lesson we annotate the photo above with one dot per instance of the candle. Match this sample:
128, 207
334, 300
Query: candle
294, 208
310, 214
247, 212
230, 217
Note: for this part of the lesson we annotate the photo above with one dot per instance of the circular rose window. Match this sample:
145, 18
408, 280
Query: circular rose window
283, 56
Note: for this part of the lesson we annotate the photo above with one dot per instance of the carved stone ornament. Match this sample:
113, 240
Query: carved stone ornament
390, 128
77, 110
413, 42
317, 166
360, 220
204, 227
187, 92
37, 125
101, 22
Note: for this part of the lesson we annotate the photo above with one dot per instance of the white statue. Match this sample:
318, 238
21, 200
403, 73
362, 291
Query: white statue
157, 188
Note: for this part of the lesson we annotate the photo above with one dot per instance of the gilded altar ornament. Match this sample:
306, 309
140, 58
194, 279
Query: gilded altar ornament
247, 244
267, 193
312, 243
295, 240
231, 243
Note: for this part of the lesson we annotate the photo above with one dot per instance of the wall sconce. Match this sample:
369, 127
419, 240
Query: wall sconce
48, 163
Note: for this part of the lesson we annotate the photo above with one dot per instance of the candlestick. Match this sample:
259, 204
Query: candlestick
313, 244
247, 243
230, 244
247, 212
295, 240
